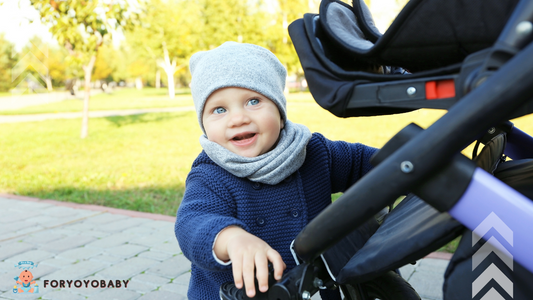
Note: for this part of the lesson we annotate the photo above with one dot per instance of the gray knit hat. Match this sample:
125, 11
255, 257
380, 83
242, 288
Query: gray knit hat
237, 65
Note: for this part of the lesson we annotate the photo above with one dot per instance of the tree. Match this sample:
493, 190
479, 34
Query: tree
233, 20
168, 35
106, 63
281, 44
44, 61
57, 66
81, 26
8, 60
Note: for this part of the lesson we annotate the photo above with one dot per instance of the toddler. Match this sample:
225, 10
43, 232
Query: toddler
260, 178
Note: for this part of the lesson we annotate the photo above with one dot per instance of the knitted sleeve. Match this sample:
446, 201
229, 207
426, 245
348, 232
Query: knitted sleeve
349, 162
205, 210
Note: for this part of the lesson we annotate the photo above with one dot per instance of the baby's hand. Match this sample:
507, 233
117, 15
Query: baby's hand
248, 253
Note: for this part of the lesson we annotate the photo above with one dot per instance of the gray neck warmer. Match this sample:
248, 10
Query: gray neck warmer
271, 167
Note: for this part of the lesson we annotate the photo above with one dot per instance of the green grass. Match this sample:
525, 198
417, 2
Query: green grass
118, 99
136, 162
451, 246
141, 162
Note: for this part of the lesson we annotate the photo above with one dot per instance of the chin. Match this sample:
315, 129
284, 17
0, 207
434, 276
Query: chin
247, 153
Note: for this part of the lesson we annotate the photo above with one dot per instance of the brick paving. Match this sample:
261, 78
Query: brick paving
90, 243
94, 244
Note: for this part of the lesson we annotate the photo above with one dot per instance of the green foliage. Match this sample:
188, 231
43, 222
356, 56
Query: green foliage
280, 42
44, 60
185, 27
173, 24
107, 63
8, 60
81, 25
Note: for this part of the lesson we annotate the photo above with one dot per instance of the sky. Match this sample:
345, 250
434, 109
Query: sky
15, 16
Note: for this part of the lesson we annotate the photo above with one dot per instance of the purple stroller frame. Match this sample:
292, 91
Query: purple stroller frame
487, 198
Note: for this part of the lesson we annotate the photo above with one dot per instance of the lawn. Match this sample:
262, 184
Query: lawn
141, 162
118, 99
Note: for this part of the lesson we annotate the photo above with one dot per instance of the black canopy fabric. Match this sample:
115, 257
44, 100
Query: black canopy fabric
427, 34
411, 231
331, 85
339, 47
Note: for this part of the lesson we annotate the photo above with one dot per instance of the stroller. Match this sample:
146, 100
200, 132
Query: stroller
473, 58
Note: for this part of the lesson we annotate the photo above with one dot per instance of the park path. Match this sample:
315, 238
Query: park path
92, 114
19, 101
16, 101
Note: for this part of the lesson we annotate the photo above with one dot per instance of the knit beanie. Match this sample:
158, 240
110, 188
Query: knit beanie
237, 65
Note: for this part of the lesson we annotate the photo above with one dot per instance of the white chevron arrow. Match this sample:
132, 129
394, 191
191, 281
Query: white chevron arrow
43, 47
492, 220
492, 245
29, 60
29, 78
492, 294
492, 272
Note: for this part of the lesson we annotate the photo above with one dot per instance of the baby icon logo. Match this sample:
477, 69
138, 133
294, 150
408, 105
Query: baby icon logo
25, 279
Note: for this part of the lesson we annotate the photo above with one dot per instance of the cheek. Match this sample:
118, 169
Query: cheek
214, 133
274, 126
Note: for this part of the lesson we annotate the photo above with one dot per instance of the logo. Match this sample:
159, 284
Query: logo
24, 283
493, 245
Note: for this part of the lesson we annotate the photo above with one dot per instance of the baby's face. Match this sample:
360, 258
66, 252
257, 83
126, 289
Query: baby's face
242, 121
26, 276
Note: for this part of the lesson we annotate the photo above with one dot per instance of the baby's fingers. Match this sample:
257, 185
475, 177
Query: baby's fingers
277, 262
237, 272
248, 274
261, 269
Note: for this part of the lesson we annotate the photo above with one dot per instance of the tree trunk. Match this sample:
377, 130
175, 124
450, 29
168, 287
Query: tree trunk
88, 69
170, 79
139, 83
170, 69
49, 83
158, 79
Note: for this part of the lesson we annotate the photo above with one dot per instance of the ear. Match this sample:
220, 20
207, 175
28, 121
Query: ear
282, 124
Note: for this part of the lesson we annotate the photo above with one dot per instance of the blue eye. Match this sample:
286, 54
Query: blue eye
253, 102
219, 110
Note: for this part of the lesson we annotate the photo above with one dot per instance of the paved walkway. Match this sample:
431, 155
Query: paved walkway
91, 246
92, 114
16, 101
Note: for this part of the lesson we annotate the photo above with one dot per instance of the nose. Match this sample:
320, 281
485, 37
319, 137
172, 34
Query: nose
238, 118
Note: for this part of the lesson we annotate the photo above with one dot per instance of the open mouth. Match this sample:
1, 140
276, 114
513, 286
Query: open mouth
244, 136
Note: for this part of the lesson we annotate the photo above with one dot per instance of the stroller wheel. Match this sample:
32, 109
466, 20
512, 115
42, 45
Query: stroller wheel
390, 286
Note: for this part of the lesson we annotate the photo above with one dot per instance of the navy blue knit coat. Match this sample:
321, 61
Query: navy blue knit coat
215, 199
